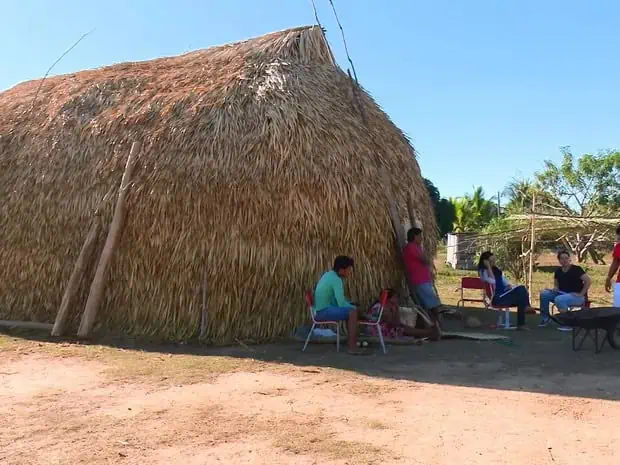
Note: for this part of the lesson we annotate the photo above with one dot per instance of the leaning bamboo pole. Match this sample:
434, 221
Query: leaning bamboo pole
98, 285
74, 282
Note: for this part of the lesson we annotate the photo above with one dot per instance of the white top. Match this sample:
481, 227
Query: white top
489, 278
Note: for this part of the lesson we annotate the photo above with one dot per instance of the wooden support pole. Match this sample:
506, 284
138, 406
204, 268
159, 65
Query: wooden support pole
98, 285
413, 218
74, 282
25, 325
532, 245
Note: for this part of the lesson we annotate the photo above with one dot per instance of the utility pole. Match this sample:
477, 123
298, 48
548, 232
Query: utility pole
499, 210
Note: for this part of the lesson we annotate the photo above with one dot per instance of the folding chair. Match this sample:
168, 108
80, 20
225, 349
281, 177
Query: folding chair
309, 302
383, 298
471, 283
490, 293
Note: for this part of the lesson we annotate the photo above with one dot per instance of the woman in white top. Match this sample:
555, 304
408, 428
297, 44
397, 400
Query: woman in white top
504, 294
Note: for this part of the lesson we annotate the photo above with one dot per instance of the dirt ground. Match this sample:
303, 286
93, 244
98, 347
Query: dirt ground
527, 401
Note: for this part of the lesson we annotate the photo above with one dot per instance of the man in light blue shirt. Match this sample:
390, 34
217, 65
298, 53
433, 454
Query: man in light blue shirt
330, 303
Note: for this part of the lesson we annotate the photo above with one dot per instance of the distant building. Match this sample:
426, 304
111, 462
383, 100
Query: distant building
461, 251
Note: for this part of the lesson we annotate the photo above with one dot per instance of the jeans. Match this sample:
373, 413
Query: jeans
560, 299
518, 297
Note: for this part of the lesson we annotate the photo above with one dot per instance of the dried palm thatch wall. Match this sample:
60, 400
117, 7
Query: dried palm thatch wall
256, 170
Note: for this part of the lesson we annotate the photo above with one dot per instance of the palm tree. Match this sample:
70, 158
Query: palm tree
472, 212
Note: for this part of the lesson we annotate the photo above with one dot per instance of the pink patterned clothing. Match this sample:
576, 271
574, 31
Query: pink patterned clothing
388, 331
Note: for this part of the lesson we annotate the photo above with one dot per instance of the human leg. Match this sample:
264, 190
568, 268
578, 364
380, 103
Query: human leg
428, 299
516, 297
348, 314
546, 297
565, 301
432, 332
522, 299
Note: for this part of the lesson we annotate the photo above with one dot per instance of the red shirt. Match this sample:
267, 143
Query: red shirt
616, 255
417, 270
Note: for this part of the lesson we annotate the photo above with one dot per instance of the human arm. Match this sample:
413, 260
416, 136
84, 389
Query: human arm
339, 295
587, 282
487, 277
613, 269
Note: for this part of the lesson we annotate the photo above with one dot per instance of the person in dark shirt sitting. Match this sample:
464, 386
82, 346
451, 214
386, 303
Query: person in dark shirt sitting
571, 284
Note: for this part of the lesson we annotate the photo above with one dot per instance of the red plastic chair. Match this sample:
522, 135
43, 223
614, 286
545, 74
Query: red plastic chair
470, 283
309, 301
383, 298
490, 293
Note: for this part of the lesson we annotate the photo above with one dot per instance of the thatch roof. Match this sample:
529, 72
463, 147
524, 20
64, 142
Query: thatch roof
257, 170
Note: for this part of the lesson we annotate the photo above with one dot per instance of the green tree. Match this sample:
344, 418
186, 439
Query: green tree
472, 212
588, 186
444, 210
520, 193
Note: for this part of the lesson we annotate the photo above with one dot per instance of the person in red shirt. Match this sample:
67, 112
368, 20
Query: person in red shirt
613, 269
418, 268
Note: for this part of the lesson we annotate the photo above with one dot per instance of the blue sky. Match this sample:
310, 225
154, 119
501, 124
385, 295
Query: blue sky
485, 89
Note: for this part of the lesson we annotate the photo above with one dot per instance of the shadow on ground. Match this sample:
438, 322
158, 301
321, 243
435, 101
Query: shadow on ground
540, 361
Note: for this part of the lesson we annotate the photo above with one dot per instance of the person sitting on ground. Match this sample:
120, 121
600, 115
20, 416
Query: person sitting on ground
504, 294
391, 324
613, 269
571, 284
330, 303
418, 268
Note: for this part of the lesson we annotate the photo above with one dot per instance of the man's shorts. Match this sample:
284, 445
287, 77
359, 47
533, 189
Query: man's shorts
333, 314
425, 293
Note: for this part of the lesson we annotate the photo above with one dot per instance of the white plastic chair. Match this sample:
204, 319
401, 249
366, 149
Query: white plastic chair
505, 309
383, 298
309, 302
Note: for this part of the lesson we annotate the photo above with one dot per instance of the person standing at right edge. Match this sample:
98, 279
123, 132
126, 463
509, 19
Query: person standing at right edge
613, 269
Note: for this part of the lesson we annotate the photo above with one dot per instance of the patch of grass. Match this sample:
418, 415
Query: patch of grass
314, 440
376, 424
128, 364
449, 279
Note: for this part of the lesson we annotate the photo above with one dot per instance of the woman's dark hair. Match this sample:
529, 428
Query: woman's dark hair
413, 233
484, 257
563, 252
618, 230
343, 262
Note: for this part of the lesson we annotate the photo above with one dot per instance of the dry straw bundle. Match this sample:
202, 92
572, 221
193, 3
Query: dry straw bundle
256, 171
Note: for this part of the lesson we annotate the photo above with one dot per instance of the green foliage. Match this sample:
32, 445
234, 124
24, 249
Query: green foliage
520, 193
587, 186
509, 254
472, 212
444, 210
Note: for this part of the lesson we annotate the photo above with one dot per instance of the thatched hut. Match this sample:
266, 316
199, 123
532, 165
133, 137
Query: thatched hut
257, 170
